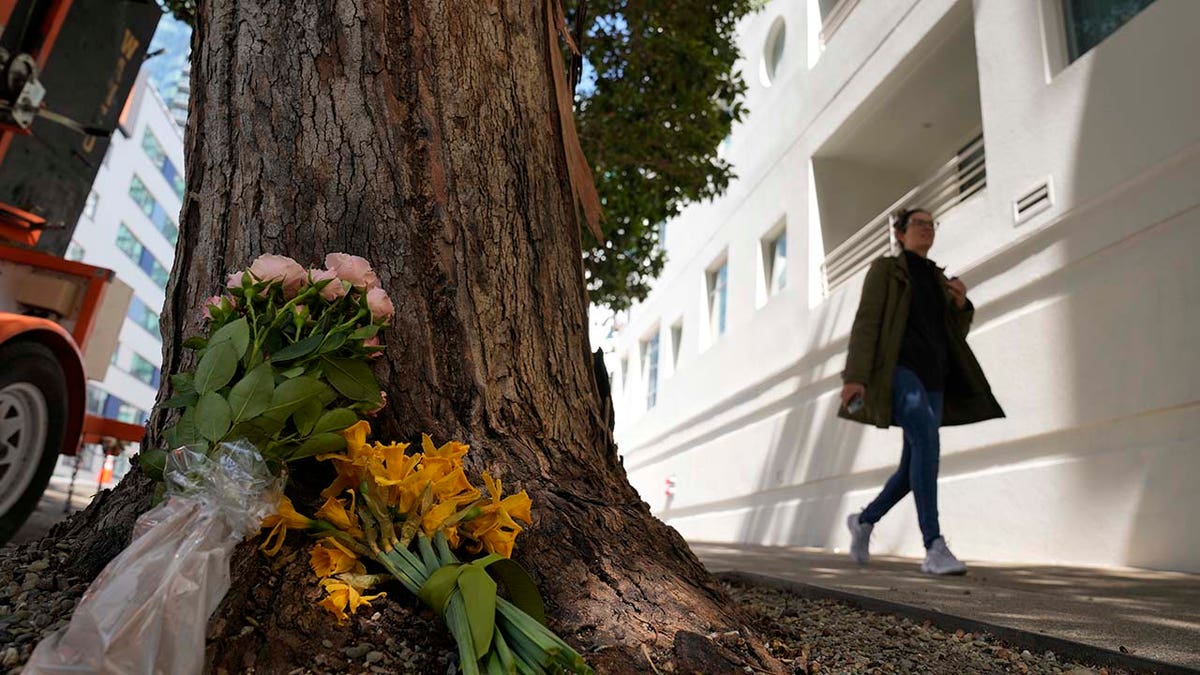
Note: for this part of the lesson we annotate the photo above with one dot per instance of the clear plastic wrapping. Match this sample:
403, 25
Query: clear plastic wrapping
147, 611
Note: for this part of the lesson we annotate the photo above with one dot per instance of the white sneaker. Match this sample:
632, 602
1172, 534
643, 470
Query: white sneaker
939, 560
860, 539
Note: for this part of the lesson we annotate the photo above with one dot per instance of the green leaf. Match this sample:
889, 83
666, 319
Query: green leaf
195, 342
436, 590
479, 596
185, 429
236, 333
352, 378
216, 367
183, 382
365, 333
292, 372
251, 396
290, 394
213, 416
299, 349
333, 342
319, 444
522, 591
307, 415
333, 420
180, 400
153, 462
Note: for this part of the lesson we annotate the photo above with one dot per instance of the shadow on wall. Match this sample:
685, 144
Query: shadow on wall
792, 505
1134, 321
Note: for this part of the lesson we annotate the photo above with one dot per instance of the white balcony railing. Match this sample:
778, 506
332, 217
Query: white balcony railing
953, 182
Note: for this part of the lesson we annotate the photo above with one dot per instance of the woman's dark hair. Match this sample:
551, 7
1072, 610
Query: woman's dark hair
903, 216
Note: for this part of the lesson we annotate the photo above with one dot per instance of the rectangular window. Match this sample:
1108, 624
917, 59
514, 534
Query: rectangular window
153, 210
143, 370
775, 263
717, 280
145, 317
129, 414
89, 206
676, 343
650, 360
95, 399
1089, 22
141, 256
158, 157
74, 252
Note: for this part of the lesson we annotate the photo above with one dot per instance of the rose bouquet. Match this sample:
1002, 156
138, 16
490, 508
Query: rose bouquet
284, 363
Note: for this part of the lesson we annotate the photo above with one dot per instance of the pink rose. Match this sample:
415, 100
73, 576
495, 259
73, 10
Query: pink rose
235, 280
300, 311
282, 269
354, 269
334, 289
380, 305
373, 341
382, 402
212, 302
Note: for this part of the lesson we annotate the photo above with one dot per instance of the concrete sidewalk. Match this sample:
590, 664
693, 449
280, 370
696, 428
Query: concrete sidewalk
1120, 617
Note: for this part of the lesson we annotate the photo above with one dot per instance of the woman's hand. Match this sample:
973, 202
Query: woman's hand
958, 291
850, 390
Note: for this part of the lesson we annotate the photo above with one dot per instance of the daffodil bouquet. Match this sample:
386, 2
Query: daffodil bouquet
407, 513
284, 361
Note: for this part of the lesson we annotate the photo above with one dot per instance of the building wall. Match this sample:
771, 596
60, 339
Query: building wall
1084, 318
97, 233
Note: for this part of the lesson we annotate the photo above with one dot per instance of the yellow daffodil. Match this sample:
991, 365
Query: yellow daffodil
335, 512
455, 487
495, 528
352, 465
280, 522
452, 451
390, 468
328, 558
343, 596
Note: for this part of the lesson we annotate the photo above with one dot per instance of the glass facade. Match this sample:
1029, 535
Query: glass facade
142, 315
142, 257
150, 206
158, 156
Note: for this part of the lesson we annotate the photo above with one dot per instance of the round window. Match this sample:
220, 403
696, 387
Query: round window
773, 51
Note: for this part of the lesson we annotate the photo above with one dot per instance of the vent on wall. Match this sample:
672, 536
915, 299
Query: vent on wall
1033, 201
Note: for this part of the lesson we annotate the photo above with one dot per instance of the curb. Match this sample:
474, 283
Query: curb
1035, 642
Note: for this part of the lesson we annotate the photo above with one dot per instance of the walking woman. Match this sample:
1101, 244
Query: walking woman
909, 365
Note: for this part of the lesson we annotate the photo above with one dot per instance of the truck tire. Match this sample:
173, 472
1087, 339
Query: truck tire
33, 414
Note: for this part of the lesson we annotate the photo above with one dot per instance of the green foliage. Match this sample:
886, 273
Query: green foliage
184, 10
664, 97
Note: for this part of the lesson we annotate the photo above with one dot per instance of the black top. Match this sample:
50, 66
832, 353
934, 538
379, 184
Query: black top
923, 349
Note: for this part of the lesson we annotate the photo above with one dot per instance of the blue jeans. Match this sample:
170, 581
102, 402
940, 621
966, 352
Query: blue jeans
919, 413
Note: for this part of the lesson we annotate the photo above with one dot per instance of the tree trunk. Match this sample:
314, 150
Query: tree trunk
424, 136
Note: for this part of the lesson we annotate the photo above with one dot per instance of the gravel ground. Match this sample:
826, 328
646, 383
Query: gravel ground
824, 636
38, 593
36, 597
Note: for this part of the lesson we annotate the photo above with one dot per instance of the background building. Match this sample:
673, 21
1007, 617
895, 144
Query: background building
1058, 142
129, 225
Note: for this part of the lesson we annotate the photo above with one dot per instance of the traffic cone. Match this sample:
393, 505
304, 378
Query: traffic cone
106, 472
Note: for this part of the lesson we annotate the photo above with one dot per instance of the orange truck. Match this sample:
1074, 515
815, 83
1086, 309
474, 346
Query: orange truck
66, 70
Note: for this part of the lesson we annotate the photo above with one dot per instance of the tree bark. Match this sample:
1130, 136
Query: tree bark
424, 136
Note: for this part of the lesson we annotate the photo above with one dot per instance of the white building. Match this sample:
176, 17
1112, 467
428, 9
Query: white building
1059, 144
129, 226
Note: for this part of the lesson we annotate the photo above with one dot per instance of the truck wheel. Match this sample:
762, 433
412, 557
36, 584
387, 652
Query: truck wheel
33, 414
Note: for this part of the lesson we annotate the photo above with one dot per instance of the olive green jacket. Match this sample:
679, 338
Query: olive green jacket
875, 347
